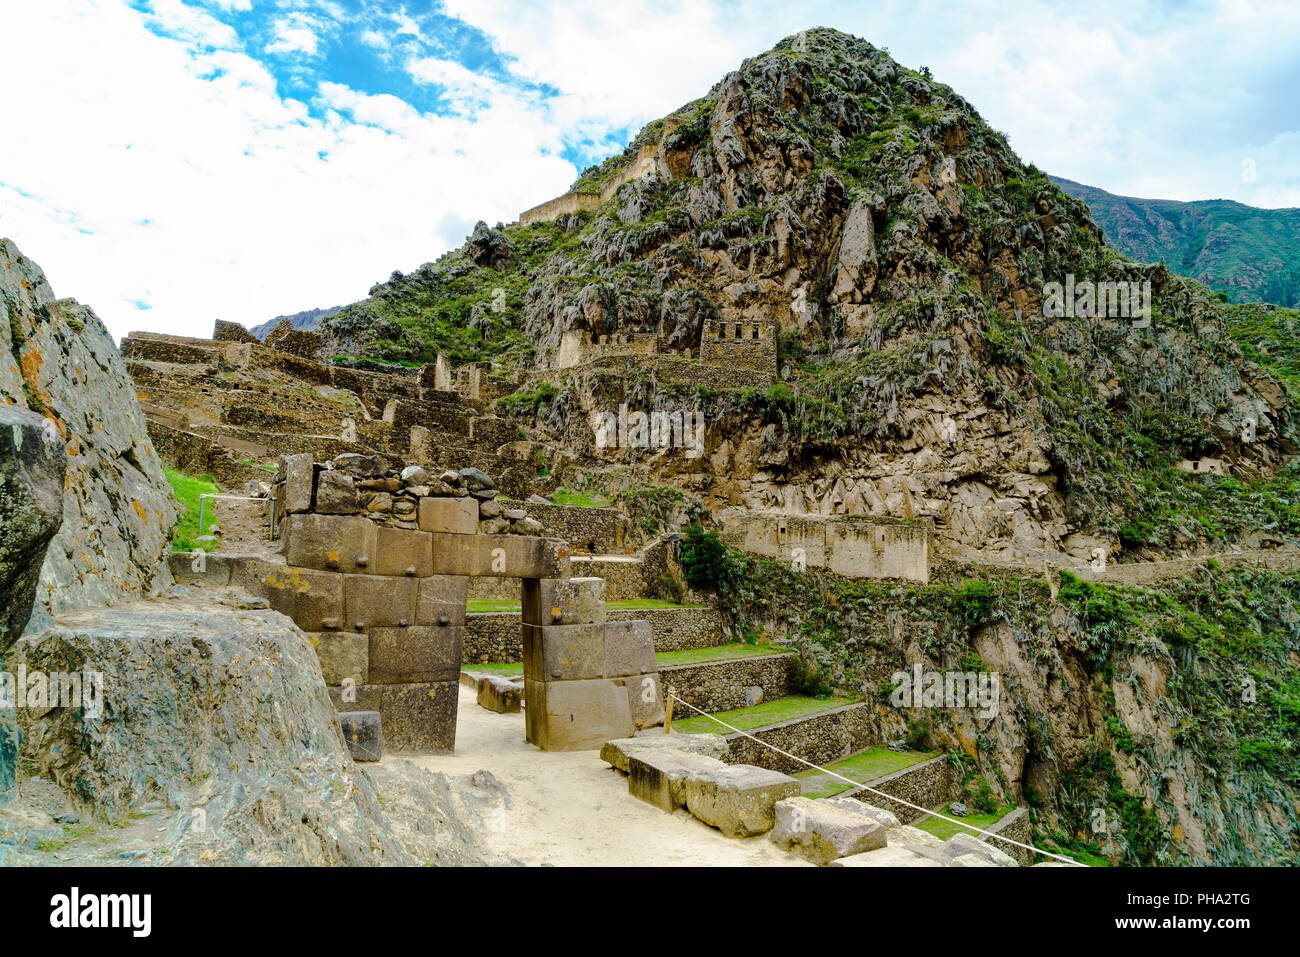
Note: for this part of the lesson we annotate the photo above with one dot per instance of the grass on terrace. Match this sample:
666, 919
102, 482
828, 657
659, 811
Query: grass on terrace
862, 767
944, 830
510, 605
761, 715
690, 656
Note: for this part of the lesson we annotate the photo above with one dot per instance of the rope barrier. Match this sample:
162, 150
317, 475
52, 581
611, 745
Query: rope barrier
862, 787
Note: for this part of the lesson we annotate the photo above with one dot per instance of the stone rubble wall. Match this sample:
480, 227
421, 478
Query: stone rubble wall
821, 739
724, 685
930, 784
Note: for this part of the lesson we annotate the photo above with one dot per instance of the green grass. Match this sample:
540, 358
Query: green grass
691, 656
665, 658
944, 829
476, 606
187, 489
863, 767
761, 715
566, 496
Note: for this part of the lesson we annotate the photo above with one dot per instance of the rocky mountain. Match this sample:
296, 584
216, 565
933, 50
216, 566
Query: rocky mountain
308, 319
1250, 254
903, 252
936, 357
58, 360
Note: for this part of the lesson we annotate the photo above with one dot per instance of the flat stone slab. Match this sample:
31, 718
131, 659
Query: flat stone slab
886, 857
500, 694
965, 850
739, 800
658, 775
616, 752
821, 831
887, 819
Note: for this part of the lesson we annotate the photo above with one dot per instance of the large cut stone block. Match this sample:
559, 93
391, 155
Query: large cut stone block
616, 752
403, 551
440, 600
658, 775
629, 649
739, 800
200, 566
576, 715
458, 516
342, 543
343, 655
563, 601
416, 717
377, 601
889, 856
363, 732
299, 476
503, 556
563, 652
414, 654
500, 694
312, 598
820, 832
645, 699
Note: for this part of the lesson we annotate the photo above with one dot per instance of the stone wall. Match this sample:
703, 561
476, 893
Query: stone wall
848, 545
930, 784
723, 685
600, 531
1016, 826
740, 345
821, 739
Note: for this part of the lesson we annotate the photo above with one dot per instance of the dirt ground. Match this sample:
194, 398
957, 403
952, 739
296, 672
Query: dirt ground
571, 808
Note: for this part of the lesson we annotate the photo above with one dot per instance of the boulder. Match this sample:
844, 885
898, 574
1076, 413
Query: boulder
820, 831
739, 800
414, 475
33, 461
616, 752
475, 480
361, 466
336, 494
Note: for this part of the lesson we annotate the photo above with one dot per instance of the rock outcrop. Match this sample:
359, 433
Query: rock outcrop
32, 465
58, 360
214, 711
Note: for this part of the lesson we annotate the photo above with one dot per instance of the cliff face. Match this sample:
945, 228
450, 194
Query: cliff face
58, 360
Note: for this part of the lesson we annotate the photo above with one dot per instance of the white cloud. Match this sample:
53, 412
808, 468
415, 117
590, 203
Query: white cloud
183, 180
173, 170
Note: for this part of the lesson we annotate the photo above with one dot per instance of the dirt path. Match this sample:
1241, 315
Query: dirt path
571, 808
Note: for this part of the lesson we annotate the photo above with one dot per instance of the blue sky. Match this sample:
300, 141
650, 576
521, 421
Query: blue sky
170, 162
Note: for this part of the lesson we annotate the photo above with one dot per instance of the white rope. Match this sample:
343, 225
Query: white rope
862, 787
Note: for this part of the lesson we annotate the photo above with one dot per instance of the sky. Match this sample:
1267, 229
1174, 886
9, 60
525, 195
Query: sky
172, 162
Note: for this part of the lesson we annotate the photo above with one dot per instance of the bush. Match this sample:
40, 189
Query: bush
669, 587
982, 799
704, 557
918, 734
973, 602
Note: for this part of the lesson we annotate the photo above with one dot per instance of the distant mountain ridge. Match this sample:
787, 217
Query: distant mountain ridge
307, 319
1251, 254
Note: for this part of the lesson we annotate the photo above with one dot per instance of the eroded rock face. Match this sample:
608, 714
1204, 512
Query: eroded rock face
32, 465
217, 710
58, 360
